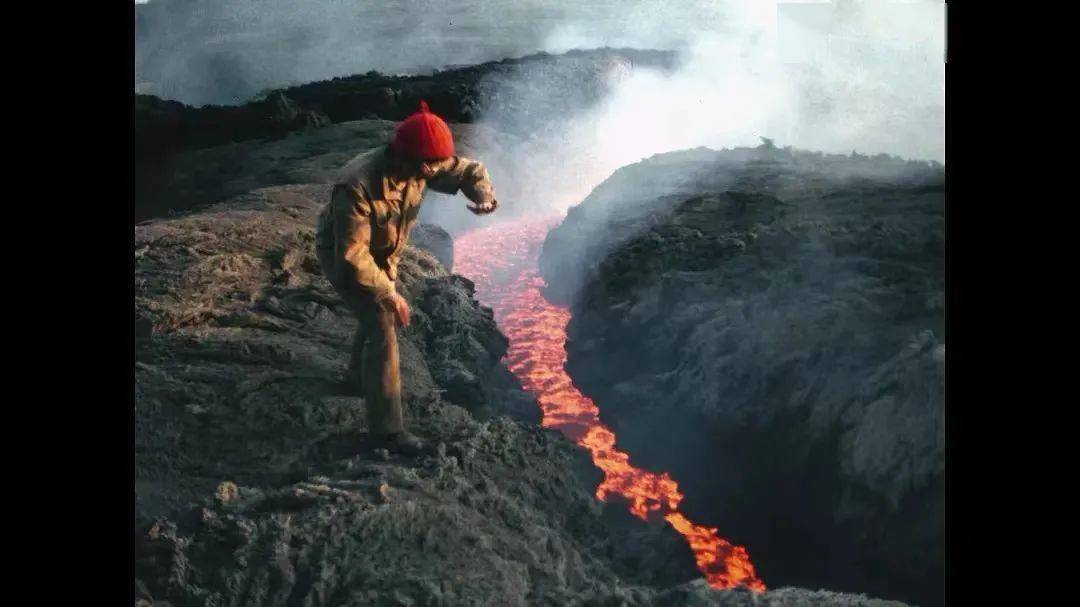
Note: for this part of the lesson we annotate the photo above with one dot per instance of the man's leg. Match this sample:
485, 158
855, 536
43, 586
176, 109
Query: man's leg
355, 373
376, 346
381, 373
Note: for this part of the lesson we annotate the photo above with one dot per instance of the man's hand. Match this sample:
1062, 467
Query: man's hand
400, 307
483, 208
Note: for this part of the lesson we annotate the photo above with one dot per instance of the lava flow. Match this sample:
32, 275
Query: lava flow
502, 260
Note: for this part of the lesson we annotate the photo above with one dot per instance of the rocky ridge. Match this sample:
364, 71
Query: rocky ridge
188, 157
460, 94
193, 179
768, 325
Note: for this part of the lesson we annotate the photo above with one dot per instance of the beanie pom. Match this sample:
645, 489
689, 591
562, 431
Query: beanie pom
424, 107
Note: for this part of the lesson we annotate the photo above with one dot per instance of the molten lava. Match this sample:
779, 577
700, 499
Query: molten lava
503, 262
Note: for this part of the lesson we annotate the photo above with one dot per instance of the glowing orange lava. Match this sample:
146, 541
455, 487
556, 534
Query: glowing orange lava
502, 260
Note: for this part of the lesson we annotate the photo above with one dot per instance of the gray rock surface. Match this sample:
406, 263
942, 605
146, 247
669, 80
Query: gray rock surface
194, 179
638, 195
434, 240
768, 325
253, 485
190, 179
253, 482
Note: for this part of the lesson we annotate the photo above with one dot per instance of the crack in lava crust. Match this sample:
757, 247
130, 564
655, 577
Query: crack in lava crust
502, 260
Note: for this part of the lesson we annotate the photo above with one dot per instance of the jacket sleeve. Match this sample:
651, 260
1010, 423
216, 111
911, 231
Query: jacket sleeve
352, 238
469, 176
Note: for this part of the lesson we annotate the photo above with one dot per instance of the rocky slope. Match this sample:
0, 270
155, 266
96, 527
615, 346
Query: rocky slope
240, 348
768, 325
253, 483
193, 179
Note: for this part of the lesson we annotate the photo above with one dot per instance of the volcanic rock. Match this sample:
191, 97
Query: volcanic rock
768, 325
502, 513
502, 510
193, 179
436, 241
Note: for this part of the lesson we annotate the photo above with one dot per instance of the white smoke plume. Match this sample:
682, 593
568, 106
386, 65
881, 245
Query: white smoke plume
835, 77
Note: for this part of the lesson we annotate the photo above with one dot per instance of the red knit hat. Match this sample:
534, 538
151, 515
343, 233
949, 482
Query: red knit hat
423, 135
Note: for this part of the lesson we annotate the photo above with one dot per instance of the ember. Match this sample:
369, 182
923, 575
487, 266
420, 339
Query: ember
502, 261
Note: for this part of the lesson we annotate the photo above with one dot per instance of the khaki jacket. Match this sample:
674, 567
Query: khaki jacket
366, 224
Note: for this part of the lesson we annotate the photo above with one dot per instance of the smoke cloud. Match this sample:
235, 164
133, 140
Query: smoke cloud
226, 51
834, 77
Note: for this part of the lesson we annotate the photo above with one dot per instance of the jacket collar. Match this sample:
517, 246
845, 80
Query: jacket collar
366, 171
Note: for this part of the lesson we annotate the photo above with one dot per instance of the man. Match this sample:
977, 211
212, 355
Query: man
361, 235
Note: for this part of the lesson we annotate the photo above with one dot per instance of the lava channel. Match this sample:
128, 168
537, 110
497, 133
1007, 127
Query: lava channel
503, 261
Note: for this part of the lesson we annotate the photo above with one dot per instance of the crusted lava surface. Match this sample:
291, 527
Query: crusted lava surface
254, 484
768, 326
253, 481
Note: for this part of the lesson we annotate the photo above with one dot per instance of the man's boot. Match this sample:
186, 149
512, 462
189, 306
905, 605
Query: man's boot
402, 443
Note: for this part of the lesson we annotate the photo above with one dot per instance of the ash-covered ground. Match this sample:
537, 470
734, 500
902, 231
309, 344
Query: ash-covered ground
253, 483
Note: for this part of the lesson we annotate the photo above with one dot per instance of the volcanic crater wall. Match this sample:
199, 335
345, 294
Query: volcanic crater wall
768, 326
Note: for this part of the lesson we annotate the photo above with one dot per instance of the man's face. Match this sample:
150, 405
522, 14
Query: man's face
425, 169
430, 168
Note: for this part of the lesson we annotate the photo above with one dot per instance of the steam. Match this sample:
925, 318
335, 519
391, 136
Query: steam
865, 77
841, 76
225, 52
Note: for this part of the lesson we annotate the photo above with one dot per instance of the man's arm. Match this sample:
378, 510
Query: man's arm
352, 234
467, 175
